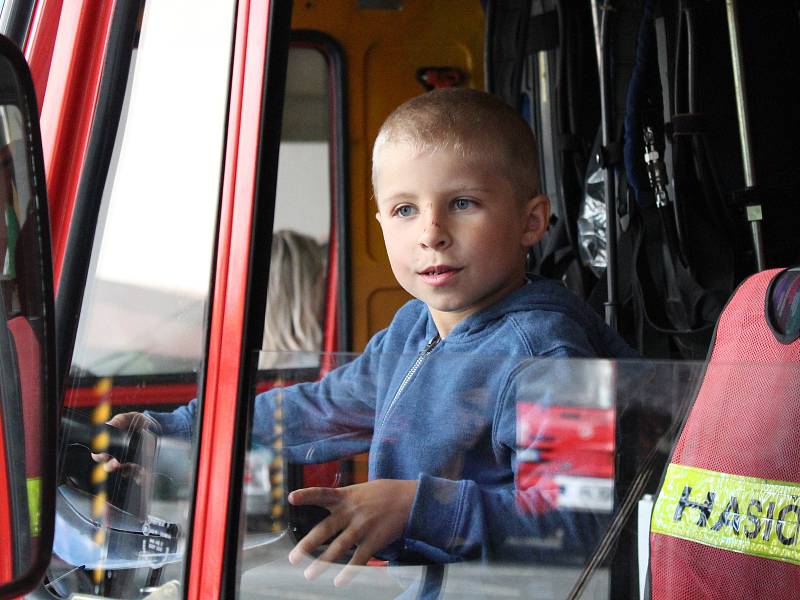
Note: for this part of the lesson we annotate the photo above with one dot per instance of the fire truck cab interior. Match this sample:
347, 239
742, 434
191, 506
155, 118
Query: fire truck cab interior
206, 230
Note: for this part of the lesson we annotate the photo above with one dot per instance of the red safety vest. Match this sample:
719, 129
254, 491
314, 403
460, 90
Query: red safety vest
725, 524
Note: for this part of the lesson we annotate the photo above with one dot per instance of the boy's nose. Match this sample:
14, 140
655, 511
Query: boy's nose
434, 233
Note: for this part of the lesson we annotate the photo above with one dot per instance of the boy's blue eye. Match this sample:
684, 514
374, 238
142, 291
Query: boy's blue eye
404, 211
462, 203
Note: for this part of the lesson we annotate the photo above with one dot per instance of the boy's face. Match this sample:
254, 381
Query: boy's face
455, 233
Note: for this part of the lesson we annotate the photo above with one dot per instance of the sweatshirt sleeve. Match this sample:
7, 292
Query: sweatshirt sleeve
319, 421
323, 420
453, 520
179, 422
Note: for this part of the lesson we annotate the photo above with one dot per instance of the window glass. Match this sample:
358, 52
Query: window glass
15, 17
514, 460
152, 264
122, 522
299, 266
301, 230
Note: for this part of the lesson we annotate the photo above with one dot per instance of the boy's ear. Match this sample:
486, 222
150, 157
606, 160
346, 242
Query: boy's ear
537, 219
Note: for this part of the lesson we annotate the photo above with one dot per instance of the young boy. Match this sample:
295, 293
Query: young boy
432, 397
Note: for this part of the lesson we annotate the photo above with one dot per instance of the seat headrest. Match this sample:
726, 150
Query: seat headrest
783, 306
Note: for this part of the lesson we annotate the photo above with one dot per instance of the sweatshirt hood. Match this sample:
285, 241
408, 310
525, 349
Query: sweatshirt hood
537, 293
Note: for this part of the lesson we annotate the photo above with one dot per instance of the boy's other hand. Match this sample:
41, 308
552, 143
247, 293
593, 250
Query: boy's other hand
368, 516
129, 422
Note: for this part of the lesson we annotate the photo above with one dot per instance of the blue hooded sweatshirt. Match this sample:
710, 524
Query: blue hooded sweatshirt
442, 412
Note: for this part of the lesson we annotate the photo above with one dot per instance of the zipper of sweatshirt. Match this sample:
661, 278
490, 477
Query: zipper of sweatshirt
420, 357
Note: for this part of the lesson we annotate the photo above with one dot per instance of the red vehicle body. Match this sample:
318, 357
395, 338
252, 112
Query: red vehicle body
567, 456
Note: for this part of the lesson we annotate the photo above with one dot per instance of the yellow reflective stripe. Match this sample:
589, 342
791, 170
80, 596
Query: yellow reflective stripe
752, 516
100, 442
35, 503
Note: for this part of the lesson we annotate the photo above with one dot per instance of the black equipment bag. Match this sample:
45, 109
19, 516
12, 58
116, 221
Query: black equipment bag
670, 71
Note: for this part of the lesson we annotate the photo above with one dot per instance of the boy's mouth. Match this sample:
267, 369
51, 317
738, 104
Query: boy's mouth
437, 270
438, 274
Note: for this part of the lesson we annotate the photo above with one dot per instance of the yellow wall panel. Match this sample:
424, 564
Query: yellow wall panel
378, 300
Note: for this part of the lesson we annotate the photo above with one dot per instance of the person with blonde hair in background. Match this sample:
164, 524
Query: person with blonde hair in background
295, 302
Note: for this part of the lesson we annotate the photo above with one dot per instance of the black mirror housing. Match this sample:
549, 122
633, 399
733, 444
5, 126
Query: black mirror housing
28, 379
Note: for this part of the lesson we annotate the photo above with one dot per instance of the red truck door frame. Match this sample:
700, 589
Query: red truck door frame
66, 50
245, 231
68, 87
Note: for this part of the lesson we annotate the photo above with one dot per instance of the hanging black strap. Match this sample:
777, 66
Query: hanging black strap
506, 39
610, 155
672, 311
542, 32
688, 124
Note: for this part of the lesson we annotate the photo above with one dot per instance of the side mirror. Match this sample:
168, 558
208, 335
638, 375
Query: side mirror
28, 383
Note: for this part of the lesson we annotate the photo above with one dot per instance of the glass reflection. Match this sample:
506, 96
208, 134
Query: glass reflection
24, 373
514, 488
125, 492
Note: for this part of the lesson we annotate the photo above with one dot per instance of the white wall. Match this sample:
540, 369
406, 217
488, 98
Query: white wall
303, 192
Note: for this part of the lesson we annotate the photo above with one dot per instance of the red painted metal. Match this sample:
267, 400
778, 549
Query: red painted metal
69, 104
433, 78
6, 537
330, 341
40, 42
228, 312
330, 335
155, 396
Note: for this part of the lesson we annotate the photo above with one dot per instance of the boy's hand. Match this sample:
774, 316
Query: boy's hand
369, 516
129, 421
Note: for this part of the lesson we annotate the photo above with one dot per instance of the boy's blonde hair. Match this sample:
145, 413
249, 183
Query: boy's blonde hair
473, 124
